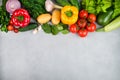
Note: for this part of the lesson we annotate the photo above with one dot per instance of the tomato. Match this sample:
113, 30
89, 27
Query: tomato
91, 18
82, 23
11, 23
10, 28
91, 27
83, 14
73, 28
16, 30
82, 32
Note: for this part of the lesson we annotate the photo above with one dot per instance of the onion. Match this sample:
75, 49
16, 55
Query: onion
12, 5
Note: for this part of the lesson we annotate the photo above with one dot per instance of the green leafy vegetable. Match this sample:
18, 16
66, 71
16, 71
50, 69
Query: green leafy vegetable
63, 2
42, 2
65, 31
47, 28
75, 3
4, 17
4, 28
116, 8
60, 27
89, 5
55, 29
35, 7
96, 6
103, 5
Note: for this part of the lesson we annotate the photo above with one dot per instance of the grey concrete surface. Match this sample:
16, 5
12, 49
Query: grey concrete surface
25, 56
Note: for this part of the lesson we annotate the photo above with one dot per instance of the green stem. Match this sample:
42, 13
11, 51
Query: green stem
20, 18
69, 13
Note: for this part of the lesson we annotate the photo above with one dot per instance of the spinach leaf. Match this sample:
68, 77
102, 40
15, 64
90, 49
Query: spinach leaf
55, 30
63, 2
75, 3
47, 28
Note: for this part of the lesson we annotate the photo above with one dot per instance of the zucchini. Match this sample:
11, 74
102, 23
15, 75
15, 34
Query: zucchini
105, 17
100, 30
112, 25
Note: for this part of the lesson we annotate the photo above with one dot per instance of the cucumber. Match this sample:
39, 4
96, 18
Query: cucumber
105, 18
111, 26
31, 26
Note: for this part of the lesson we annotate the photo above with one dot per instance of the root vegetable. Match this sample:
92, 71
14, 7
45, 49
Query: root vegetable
56, 17
44, 18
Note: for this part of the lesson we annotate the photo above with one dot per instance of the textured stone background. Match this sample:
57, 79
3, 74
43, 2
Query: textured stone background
25, 56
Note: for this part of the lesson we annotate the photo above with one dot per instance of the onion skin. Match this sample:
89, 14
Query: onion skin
12, 5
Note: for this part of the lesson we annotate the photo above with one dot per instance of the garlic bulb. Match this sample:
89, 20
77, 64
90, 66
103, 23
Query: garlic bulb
49, 6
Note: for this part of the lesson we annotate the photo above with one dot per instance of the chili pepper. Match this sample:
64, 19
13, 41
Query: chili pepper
20, 17
69, 14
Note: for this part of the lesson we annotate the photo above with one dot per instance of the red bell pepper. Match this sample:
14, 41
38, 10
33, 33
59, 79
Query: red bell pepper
20, 17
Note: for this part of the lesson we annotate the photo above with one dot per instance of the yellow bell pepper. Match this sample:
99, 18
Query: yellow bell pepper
69, 14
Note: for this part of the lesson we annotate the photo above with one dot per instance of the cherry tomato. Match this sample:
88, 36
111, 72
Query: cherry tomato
83, 14
91, 18
82, 32
10, 28
73, 28
16, 30
91, 27
82, 23
11, 23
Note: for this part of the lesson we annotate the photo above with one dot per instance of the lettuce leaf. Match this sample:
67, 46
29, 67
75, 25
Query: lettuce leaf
96, 6
89, 5
116, 9
103, 5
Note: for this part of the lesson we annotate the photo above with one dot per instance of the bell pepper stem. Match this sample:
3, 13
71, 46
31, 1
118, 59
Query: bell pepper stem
69, 13
20, 18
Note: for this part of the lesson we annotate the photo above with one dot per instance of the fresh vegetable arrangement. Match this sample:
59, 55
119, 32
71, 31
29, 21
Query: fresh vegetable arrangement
60, 16
84, 24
